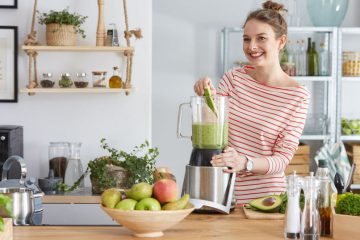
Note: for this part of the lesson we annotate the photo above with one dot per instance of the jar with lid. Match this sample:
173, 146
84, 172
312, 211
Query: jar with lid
59, 153
47, 81
99, 79
65, 80
81, 81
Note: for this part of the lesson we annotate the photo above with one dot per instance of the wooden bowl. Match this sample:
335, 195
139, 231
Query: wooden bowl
148, 223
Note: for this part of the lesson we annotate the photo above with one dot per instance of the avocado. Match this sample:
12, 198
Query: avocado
269, 204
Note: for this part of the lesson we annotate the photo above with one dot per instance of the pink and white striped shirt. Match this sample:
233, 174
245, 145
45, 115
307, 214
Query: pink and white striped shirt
265, 123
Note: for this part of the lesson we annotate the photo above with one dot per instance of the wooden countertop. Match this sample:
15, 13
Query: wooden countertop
84, 196
195, 226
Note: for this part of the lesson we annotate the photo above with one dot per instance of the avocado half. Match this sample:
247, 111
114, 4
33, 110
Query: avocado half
269, 204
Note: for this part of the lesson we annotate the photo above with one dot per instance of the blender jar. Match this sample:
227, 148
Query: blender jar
209, 130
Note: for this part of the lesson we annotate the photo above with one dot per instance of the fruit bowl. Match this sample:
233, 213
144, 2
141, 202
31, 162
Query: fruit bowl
148, 223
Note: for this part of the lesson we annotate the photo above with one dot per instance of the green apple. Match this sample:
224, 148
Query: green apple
110, 197
126, 204
139, 191
354, 124
150, 204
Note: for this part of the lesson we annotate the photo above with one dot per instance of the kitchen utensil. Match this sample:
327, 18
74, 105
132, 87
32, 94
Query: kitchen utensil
251, 214
210, 188
48, 185
148, 223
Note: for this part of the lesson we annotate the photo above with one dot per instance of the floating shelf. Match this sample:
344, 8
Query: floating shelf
314, 137
350, 137
75, 90
78, 48
313, 78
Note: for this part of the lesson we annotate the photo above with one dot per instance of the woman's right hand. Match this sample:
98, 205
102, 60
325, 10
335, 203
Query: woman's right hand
201, 84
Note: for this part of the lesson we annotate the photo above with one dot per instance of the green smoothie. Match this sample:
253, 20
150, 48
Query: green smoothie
210, 135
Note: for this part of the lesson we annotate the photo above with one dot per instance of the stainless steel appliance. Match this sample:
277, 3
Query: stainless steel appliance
27, 197
210, 189
11, 143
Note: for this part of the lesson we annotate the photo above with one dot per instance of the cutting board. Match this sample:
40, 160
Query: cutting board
251, 214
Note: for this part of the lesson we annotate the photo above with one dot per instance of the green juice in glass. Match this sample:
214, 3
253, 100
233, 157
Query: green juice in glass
210, 135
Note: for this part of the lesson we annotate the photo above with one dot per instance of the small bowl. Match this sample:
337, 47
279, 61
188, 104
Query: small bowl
148, 223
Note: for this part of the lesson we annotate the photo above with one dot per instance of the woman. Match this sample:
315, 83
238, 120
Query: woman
267, 109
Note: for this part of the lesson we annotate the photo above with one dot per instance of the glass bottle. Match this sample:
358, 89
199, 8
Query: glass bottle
313, 64
293, 213
59, 153
310, 221
323, 61
115, 81
308, 51
302, 60
74, 168
322, 174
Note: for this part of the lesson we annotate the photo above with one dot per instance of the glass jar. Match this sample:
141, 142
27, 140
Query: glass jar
65, 80
81, 81
59, 153
99, 79
74, 169
47, 81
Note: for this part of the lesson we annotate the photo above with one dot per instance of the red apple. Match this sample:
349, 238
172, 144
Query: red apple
165, 190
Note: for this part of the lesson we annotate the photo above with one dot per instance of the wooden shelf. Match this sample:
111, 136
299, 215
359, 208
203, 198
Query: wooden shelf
75, 90
78, 48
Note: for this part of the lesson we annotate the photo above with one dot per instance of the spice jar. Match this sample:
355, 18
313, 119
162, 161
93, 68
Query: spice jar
65, 80
81, 81
47, 81
99, 79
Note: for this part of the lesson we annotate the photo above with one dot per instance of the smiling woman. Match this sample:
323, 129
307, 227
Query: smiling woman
267, 109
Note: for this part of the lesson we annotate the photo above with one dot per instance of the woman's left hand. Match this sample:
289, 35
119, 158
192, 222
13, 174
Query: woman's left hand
231, 159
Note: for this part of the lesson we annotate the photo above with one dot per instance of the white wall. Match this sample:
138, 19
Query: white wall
186, 46
124, 120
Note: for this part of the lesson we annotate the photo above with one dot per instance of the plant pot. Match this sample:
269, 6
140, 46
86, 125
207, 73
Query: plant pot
345, 226
119, 174
327, 13
60, 35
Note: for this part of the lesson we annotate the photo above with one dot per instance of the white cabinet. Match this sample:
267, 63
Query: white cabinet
321, 121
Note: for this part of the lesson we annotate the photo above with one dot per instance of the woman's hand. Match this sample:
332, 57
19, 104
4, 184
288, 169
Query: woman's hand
201, 84
231, 159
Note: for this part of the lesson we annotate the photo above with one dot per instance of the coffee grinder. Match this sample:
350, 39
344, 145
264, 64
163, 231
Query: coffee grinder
210, 189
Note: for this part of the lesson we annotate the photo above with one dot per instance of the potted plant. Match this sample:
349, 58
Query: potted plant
6, 225
346, 216
120, 169
62, 27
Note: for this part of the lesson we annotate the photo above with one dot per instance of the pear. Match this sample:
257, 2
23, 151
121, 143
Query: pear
177, 205
110, 197
139, 191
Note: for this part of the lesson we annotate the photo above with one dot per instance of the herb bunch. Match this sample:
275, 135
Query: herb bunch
140, 162
64, 17
348, 204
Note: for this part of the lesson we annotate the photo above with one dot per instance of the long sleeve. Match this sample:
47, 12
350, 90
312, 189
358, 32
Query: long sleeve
288, 140
226, 86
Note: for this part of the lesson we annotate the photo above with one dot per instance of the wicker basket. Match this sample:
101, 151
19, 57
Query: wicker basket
351, 64
60, 35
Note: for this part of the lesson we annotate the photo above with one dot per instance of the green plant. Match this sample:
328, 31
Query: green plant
140, 162
64, 17
348, 204
6, 205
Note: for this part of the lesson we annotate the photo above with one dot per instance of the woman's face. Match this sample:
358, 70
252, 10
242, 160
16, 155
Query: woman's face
261, 46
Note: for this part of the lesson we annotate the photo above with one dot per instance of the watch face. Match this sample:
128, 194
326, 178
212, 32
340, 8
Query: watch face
249, 165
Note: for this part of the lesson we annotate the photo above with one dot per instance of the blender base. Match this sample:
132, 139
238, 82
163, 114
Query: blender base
202, 157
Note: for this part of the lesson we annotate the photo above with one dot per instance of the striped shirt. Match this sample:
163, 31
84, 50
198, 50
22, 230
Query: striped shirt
265, 123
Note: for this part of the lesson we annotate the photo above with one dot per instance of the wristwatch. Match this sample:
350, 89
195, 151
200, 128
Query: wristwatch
249, 164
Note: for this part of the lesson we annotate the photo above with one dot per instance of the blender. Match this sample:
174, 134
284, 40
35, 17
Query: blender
210, 188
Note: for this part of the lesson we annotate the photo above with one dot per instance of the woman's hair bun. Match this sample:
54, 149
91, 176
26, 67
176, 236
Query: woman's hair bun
273, 6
